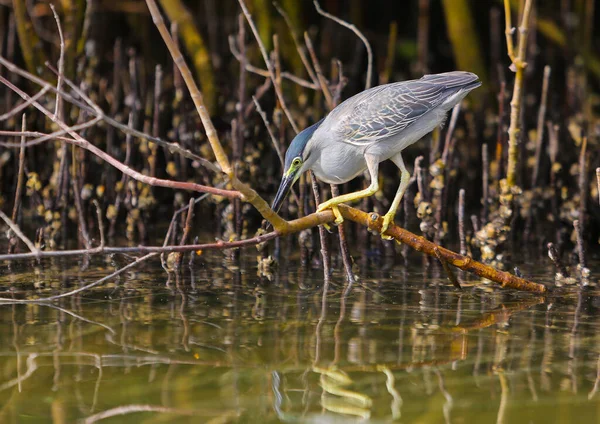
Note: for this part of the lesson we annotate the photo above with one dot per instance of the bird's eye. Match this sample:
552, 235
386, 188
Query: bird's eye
296, 162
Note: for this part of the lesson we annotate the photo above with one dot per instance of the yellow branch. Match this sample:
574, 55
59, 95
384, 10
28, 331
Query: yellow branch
518, 65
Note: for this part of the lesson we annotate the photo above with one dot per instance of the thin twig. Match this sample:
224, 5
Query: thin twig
582, 183
83, 143
322, 235
20, 173
346, 258
449, 273
359, 35
188, 222
15, 228
260, 92
423, 36
100, 222
42, 137
265, 56
580, 248
265, 119
509, 30
16, 109
299, 48
540, 126
99, 114
265, 73
321, 78
166, 248
485, 177
500, 134
78, 203
450, 133
461, 222
186, 229
61, 62
598, 181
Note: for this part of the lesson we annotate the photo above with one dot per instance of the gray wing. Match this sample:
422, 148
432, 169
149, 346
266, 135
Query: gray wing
385, 111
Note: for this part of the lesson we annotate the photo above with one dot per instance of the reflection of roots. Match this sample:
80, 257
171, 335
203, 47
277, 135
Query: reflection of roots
343, 401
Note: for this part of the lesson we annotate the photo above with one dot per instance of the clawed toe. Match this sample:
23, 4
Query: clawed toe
387, 220
336, 212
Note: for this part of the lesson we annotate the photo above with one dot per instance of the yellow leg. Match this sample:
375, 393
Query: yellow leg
373, 166
404, 180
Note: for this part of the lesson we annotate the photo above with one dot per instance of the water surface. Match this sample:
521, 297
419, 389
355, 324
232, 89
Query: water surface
219, 342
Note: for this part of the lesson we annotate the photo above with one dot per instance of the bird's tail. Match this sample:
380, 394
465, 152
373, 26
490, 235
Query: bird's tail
457, 79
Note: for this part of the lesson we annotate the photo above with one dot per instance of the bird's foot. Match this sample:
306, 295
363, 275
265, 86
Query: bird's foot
336, 212
388, 219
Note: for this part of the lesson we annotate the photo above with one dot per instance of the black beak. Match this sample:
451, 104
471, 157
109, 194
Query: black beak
284, 188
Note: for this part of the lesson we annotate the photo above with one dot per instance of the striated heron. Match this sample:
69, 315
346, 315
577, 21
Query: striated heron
368, 128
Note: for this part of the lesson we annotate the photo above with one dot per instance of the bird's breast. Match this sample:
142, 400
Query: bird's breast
339, 163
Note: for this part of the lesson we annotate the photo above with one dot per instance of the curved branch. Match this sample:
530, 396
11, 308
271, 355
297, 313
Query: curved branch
358, 34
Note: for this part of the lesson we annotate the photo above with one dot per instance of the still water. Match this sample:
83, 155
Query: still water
220, 343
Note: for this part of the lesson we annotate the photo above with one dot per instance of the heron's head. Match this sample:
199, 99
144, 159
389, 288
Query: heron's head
296, 162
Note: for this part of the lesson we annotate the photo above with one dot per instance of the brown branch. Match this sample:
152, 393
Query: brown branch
321, 78
322, 236
109, 250
96, 111
83, 143
265, 73
265, 56
466, 263
451, 277
61, 63
461, 222
22, 106
346, 258
20, 173
100, 222
42, 137
15, 228
186, 230
299, 48
372, 221
541, 123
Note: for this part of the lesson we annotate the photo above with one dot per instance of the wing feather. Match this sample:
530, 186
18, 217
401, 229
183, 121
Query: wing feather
387, 110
